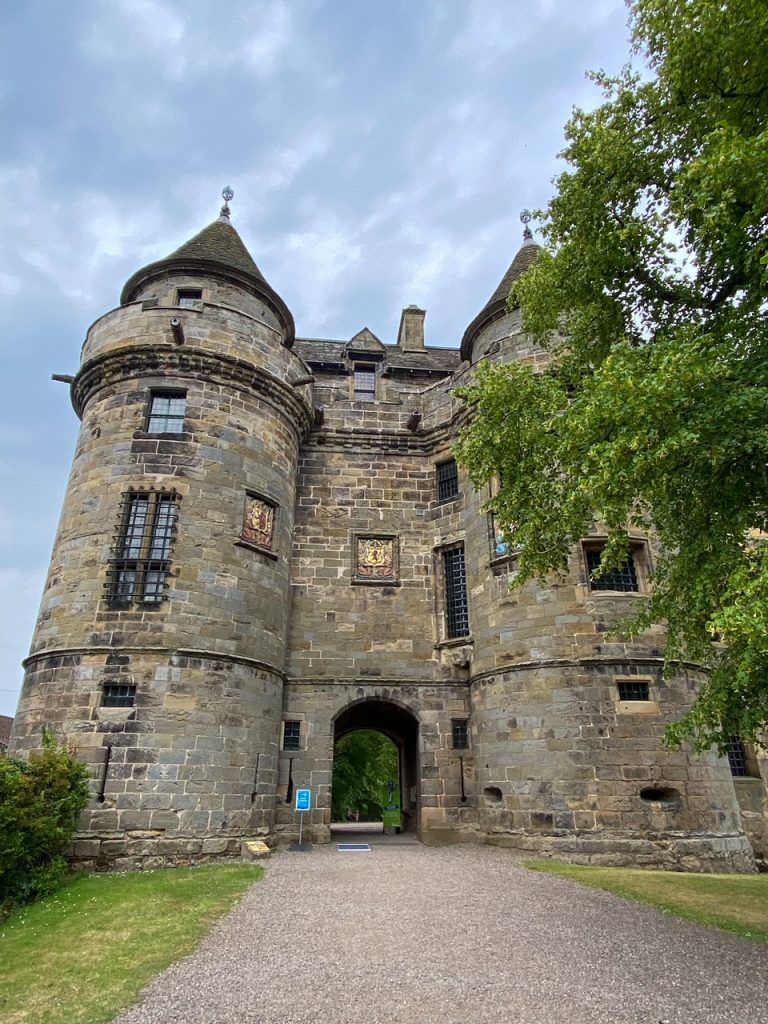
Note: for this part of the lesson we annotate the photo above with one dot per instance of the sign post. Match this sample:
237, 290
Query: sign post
303, 803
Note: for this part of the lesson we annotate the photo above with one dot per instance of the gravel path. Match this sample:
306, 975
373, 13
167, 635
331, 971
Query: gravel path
460, 935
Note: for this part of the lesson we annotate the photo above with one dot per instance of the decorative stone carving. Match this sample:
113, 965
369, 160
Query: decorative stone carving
258, 522
376, 560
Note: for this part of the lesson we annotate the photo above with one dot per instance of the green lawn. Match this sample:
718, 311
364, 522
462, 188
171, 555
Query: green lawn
735, 903
83, 954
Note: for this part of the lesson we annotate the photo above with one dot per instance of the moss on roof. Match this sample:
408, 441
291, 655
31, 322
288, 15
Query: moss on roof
220, 243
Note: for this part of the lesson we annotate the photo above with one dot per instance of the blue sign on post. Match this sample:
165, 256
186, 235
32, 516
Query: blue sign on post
303, 799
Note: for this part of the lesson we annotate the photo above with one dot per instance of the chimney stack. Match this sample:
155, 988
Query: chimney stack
410, 337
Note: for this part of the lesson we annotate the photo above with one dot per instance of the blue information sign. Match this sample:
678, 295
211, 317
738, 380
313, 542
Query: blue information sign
303, 799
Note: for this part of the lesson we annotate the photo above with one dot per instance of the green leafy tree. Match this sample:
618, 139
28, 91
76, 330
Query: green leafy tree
651, 297
363, 763
40, 800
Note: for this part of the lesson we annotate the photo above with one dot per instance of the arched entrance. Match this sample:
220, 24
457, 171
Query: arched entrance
400, 726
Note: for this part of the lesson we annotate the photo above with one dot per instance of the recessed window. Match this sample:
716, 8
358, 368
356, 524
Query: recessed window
459, 734
189, 296
633, 690
291, 735
141, 560
456, 605
740, 759
166, 412
623, 580
364, 382
447, 480
118, 696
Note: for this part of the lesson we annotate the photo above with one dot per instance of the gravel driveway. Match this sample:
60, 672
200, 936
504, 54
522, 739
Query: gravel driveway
458, 935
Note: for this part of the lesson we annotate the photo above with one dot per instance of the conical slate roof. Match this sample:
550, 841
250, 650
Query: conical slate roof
220, 251
496, 306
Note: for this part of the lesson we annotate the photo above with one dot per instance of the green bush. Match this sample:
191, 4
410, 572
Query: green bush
40, 800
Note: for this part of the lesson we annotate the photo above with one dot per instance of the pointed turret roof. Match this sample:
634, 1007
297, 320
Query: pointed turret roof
217, 250
496, 306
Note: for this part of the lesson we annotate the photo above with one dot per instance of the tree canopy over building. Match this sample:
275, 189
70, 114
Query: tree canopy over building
651, 296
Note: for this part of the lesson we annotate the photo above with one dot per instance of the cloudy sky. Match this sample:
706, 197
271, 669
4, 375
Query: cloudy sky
380, 152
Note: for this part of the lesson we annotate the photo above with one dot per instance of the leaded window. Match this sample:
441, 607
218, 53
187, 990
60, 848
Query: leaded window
447, 480
632, 689
166, 412
118, 695
456, 605
459, 734
141, 560
364, 382
623, 579
189, 296
291, 735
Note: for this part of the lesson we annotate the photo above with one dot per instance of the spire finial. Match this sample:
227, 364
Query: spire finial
226, 195
526, 217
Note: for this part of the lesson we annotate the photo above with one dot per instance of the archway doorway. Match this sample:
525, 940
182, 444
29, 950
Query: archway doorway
401, 729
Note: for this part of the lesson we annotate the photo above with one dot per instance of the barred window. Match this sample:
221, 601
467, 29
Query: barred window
166, 412
364, 382
291, 735
624, 579
189, 296
632, 689
459, 734
142, 552
456, 606
118, 696
447, 480
743, 764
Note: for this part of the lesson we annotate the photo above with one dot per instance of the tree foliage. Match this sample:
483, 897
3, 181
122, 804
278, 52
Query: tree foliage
363, 763
651, 297
40, 800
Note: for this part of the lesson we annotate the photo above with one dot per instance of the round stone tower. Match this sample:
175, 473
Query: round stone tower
160, 644
567, 714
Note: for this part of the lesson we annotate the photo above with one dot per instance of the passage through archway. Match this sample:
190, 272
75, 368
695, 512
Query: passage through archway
381, 738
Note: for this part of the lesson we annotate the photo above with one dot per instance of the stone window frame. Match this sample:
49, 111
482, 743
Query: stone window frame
299, 737
192, 302
164, 392
452, 479
136, 548
742, 759
639, 549
445, 637
634, 706
458, 733
118, 695
365, 581
271, 552
364, 366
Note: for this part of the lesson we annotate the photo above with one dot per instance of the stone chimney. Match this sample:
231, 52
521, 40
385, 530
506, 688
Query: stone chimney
410, 337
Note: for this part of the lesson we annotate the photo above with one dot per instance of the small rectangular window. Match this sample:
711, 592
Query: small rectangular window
447, 480
118, 696
624, 579
291, 735
189, 296
166, 412
141, 559
460, 736
456, 606
742, 764
364, 382
633, 690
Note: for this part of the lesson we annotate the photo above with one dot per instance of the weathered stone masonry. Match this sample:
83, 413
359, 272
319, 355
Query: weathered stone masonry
333, 447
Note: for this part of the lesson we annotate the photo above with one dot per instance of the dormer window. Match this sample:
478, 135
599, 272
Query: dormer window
189, 296
364, 382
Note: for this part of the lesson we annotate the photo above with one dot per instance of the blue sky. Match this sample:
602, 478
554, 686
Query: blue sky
380, 152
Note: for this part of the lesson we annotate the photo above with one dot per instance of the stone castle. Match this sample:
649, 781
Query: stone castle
266, 544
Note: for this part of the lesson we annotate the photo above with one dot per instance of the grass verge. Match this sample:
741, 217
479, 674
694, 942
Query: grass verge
83, 954
735, 903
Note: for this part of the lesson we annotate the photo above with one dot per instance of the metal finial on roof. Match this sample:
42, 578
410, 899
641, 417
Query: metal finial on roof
226, 195
526, 217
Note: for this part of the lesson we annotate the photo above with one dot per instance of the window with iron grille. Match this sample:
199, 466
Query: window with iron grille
364, 382
631, 689
166, 412
739, 759
624, 579
460, 736
141, 560
189, 296
456, 606
447, 480
118, 695
291, 735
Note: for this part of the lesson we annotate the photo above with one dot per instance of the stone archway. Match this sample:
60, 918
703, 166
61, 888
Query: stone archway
402, 727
